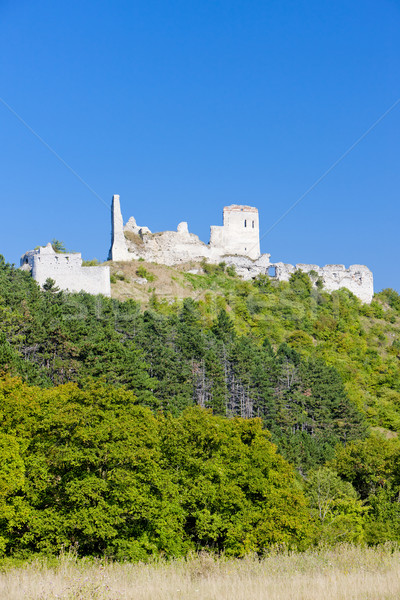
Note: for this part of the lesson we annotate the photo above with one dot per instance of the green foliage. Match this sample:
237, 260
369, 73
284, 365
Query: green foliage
118, 276
95, 470
211, 269
372, 467
12, 478
391, 297
145, 274
104, 447
339, 515
368, 464
223, 328
300, 283
198, 355
258, 501
263, 282
58, 246
50, 286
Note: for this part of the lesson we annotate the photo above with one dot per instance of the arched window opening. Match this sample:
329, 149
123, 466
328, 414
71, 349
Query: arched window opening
245, 222
252, 224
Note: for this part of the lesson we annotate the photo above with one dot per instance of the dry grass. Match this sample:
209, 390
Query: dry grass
345, 573
169, 284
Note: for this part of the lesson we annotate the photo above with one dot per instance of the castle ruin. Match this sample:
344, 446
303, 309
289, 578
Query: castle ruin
236, 242
238, 236
66, 270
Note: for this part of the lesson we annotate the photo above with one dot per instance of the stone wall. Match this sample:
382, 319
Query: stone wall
236, 242
238, 236
357, 278
67, 271
240, 233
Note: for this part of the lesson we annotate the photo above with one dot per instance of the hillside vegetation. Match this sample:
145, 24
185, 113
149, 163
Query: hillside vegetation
230, 416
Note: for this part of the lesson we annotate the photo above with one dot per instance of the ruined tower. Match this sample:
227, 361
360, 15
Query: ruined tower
118, 250
240, 233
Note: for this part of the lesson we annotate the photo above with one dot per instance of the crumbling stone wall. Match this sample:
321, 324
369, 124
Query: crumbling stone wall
119, 247
357, 278
238, 236
240, 233
67, 271
236, 242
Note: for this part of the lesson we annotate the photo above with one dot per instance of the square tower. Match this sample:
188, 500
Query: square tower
241, 231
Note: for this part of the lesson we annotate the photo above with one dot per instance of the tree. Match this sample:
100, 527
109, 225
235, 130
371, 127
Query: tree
223, 328
58, 246
369, 465
300, 283
50, 286
95, 478
339, 514
238, 494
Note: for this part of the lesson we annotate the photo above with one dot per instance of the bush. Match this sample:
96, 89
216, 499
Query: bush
211, 269
90, 263
145, 274
58, 246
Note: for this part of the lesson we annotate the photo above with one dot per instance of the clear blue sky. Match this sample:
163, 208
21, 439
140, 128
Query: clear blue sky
184, 106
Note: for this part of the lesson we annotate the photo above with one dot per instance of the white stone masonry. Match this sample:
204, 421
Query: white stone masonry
66, 270
236, 242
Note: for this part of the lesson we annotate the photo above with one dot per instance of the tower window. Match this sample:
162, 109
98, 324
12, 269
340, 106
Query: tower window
252, 224
245, 222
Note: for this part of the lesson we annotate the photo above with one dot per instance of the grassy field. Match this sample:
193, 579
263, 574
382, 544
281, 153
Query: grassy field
344, 573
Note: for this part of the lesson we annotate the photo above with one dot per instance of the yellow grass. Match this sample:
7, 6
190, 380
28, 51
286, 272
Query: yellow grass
169, 283
343, 573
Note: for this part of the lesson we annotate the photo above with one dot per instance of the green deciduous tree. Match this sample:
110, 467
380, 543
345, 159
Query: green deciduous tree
339, 514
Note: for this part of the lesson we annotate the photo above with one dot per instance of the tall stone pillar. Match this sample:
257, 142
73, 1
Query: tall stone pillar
118, 250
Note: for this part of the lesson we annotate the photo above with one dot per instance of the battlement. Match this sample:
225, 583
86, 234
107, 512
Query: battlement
241, 208
66, 270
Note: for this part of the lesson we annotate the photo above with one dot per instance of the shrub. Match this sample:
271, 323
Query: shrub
142, 272
58, 246
90, 263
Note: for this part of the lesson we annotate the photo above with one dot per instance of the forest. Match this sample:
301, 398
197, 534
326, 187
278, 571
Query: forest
249, 415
